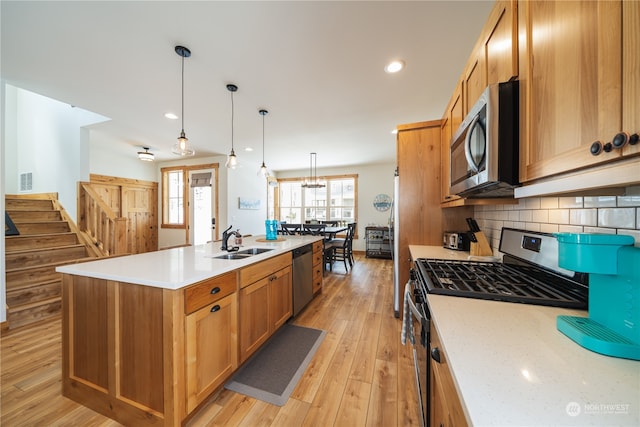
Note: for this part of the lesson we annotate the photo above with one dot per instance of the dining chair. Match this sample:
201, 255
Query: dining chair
342, 249
332, 223
290, 229
313, 229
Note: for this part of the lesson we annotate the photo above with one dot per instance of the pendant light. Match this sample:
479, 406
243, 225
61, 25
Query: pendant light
181, 147
312, 182
146, 155
232, 160
263, 169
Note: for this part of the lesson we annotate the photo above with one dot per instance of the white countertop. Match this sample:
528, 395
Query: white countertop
512, 367
179, 267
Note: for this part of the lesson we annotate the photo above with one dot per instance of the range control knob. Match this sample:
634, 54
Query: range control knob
620, 140
597, 148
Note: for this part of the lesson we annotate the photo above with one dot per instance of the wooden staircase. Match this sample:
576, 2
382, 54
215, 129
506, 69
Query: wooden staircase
48, 238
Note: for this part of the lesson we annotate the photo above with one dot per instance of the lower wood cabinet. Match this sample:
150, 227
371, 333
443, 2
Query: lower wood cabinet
211, 353
446, 409
149, 356
266, 302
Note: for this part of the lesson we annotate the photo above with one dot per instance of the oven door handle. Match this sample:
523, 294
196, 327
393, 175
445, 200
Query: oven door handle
408, 289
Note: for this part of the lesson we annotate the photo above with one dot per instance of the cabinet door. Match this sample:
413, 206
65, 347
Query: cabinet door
280, 298
450, 124
254, 317
501, 45
570, 84
475, 78
447, 408
631, 72
212, 348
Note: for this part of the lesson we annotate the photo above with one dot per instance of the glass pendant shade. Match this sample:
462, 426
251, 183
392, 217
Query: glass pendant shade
182, 146
232, 160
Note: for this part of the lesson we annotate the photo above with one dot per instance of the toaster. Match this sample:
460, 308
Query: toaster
456, 240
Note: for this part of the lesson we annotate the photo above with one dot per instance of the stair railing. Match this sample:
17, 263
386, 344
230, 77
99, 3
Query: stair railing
107, 230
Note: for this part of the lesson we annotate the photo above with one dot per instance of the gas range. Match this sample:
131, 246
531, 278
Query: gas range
529, 274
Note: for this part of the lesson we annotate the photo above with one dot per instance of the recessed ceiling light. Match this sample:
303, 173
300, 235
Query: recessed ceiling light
171, 116
248, 149
394, 67
394, 132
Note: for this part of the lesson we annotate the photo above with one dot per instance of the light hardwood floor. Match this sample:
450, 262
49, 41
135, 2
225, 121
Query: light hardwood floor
360, 376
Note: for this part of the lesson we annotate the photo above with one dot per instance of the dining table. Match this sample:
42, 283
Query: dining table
329, 232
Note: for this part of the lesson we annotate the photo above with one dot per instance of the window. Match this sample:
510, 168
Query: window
337, 201
173, 198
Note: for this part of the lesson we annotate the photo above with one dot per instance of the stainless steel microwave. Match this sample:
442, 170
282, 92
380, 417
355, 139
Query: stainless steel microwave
484, 149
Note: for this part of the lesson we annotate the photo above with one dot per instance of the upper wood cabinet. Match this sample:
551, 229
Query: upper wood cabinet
450, 123
572, 89
494, 58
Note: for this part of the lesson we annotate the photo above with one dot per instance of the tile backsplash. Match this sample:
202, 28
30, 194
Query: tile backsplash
583, 214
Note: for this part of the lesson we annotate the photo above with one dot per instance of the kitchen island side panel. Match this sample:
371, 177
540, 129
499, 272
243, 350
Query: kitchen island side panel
115, 337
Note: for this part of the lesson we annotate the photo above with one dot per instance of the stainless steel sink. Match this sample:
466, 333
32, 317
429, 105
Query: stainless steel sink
234, 255
254, 251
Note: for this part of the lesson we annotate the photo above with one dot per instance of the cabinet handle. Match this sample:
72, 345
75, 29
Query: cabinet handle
215, 308
633, 139
435, 354
620, 140
215, 290
597, 148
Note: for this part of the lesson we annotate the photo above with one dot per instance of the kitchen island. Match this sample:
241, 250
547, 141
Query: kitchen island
149, 337
511, 366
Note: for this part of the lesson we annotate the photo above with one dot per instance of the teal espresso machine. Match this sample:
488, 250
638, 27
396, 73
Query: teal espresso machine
613, 264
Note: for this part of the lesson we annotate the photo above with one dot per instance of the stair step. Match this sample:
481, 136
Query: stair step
19, 277
29, 313
35, 257
35, 241
34, 292
29, 228
35, 216
28, 204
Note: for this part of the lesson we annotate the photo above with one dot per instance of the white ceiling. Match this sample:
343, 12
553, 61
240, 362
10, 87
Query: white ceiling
317, 66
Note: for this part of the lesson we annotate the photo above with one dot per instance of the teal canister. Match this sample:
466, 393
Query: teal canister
271, 226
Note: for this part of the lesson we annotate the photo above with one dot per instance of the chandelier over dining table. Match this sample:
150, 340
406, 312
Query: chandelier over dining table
312, 180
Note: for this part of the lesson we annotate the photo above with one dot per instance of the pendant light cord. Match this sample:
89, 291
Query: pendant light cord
262, 138
232, 110
182, 93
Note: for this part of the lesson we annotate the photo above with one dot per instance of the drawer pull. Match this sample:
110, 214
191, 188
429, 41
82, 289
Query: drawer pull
215, 308
435, 354
215, 290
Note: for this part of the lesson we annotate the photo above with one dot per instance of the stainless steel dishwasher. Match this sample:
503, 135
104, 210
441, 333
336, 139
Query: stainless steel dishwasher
302, 277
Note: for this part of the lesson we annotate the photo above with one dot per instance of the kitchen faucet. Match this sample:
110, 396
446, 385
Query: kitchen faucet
225, 238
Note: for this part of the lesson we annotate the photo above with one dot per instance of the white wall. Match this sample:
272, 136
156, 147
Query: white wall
232, 184
46, 137
372, 180
112, 157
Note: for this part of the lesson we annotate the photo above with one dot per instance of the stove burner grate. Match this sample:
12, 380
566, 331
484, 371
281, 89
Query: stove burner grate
503, 282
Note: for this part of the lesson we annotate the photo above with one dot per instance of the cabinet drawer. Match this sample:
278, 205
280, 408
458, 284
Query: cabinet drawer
317, 246
209, 291
317, 258
255, 272
316, 286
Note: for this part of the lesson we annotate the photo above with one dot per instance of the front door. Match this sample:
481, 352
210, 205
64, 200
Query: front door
202, 206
